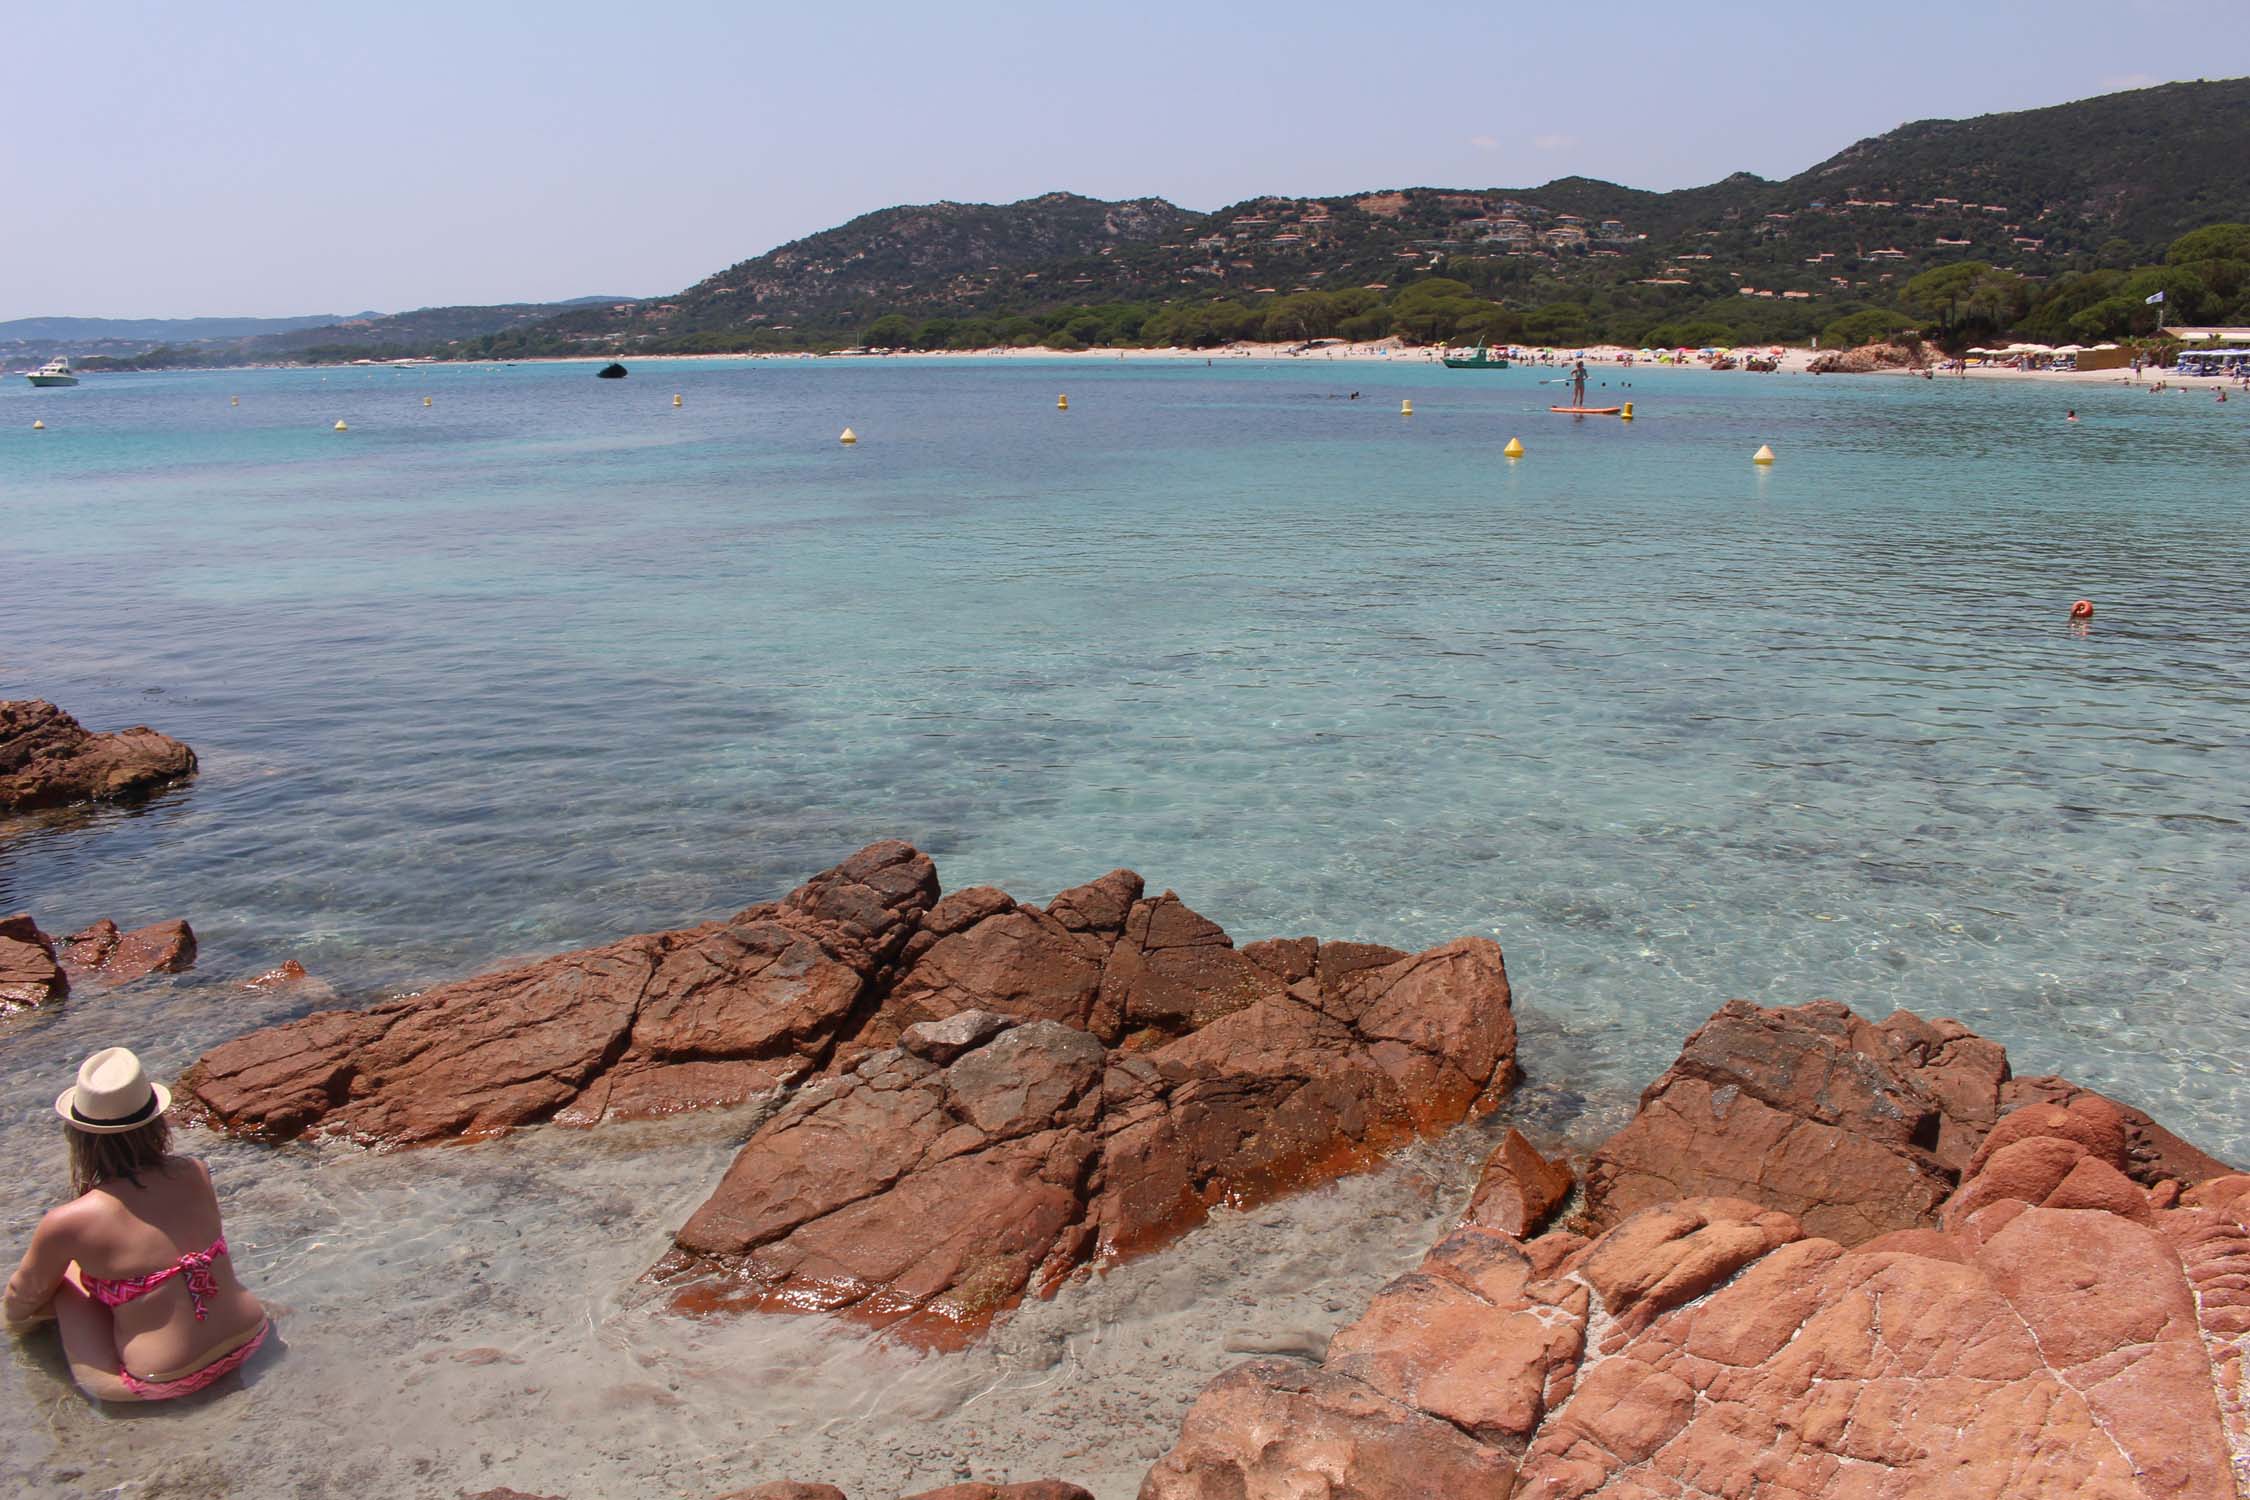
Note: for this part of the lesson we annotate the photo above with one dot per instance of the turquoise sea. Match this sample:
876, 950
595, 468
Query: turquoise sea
551, 660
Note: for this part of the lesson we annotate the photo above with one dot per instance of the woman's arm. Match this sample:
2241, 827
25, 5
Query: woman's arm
31, 1291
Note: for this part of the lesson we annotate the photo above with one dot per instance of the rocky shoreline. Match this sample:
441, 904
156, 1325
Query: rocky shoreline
48, 759
1826, 1256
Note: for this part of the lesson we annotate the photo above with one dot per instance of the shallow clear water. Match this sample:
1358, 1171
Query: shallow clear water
550, 661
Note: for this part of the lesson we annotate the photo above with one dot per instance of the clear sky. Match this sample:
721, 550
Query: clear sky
231, 157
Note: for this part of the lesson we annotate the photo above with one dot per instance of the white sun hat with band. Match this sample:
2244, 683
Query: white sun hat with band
112, 1095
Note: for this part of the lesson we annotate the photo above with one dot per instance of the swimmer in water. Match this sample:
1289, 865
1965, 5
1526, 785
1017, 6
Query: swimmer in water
2071, 417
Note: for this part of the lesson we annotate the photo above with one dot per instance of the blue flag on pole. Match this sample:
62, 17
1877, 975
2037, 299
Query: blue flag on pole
2154, 297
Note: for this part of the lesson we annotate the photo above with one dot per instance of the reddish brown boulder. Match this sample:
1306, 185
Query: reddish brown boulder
647, 1026
785, 1489
1275, 1430
2062, 1334
2047, 1352
29, 974
937, 1183
1860, 1129
1809, 1110
1036, 1489
48, 759
1518, 1188
1173, 971
101, 953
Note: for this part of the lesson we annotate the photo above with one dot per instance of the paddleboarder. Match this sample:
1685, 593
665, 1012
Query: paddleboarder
1578, 384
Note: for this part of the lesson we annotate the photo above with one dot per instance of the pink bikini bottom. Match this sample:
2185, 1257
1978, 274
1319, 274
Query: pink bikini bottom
212, 1373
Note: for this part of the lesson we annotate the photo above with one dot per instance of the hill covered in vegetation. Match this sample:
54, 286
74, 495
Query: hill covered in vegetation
2064, 213
2056, 222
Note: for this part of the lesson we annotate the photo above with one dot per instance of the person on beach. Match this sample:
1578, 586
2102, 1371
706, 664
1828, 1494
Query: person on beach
134, 1269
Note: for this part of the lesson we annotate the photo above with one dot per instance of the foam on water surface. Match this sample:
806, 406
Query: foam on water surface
551, 661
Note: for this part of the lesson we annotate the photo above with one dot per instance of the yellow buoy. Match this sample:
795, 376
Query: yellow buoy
675, 398
850, 437
1764, 455
1514, 448
340, 427
234, 400
425, 401
37, 425
1062, 403
1627, 413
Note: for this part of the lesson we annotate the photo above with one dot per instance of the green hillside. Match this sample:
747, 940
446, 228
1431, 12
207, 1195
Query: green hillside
2065, 206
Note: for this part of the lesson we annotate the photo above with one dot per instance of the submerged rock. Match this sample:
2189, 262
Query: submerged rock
29, 974
48, 759
2050, 1325
101, 953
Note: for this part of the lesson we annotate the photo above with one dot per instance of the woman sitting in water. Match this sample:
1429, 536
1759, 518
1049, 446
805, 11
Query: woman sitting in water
134, 1270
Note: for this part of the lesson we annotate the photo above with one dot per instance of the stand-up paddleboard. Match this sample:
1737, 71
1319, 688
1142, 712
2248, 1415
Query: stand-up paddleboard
1589, 411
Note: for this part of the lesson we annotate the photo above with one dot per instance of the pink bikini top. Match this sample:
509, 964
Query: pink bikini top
195, 1266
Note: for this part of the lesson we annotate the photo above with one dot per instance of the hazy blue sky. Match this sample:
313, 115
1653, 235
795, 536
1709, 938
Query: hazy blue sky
239, 158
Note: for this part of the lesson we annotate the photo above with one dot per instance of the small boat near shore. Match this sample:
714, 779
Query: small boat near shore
55, 371
1479, 358
610, 371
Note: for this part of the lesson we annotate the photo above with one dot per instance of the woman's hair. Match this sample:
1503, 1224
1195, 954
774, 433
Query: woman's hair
96, 1159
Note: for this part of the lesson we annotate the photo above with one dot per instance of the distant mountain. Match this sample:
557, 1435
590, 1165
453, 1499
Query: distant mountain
924, 256
156, 330
107, 343
2043, 192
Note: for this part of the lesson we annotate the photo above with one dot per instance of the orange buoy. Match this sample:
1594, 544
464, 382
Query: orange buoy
2082, 610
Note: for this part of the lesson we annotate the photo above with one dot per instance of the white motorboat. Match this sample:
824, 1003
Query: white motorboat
55, 371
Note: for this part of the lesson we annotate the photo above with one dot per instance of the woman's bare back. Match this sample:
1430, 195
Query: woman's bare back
121, 1231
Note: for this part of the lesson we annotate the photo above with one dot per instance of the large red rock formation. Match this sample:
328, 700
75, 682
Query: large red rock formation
1711, 1347
646, 1026
938, 1182
1006, 1093
2027, 1290
48, 759
1853, 1127
29, 973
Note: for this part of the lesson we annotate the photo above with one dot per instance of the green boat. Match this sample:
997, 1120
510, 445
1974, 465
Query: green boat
1479, 358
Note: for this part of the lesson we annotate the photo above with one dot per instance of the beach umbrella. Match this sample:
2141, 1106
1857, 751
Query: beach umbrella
2070, 348
2098, 348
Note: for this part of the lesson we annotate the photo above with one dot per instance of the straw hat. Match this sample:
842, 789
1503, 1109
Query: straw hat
112, 1095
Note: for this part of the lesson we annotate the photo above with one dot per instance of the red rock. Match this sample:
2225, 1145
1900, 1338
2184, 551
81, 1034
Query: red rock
48, 759
1011, 960
1810, 1110
288, 973
701, 1016
1037, 1489
2152, 1153
785, 1489
1274, 1430
102, 953
1518, 1188
29, 975
1173, 971
2062, 1335
1099, 906
935, 1185
1287, 959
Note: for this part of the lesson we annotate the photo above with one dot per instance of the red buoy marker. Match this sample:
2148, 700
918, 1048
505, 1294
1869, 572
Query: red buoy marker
2082, 610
